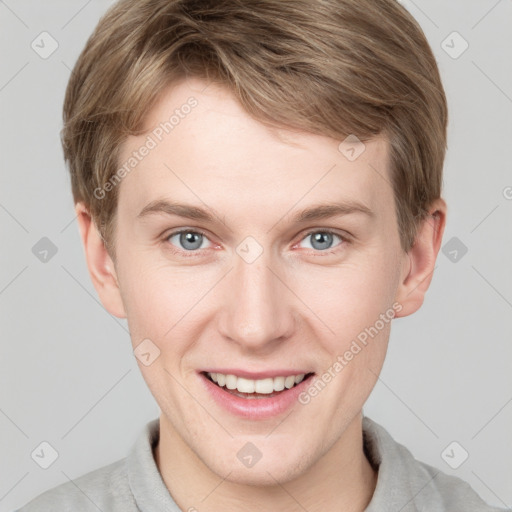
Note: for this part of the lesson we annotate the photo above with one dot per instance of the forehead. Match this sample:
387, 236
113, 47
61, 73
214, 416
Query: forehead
204, 148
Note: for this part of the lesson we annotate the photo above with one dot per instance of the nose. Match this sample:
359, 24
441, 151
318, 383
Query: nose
257, 307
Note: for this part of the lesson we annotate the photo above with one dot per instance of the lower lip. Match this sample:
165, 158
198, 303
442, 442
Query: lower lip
255, 408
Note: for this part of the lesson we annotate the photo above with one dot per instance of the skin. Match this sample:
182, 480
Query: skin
293, 307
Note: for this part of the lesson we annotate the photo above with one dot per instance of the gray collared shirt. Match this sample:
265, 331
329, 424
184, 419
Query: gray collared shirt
134, 484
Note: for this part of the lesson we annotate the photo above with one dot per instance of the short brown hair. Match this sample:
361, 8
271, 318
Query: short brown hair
330, 67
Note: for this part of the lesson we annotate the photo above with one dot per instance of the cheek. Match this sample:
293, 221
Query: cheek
350, 297
169, 306
154, 299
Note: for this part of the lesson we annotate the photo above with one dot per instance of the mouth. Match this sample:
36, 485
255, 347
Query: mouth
259, 389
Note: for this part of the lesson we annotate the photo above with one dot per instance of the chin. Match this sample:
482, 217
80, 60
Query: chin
262, 477
271, 472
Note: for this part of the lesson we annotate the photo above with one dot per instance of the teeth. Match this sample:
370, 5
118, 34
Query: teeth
263, 386
299, 378
231, 381
289, 382
279, 383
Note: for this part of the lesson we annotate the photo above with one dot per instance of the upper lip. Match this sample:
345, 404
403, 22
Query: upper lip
264, 374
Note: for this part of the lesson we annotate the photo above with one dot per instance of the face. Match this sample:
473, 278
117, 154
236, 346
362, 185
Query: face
253, 277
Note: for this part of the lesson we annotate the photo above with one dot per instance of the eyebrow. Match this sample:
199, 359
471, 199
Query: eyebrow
316, 212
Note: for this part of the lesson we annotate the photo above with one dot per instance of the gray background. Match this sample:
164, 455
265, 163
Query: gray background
67, 372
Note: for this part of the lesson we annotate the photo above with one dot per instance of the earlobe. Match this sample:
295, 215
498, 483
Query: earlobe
100, 265
421, 259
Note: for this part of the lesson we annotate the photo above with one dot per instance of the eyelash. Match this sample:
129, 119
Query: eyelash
191, 254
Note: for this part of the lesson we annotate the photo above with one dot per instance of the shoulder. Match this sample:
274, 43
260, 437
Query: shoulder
116, 487
106, 488
407, 484
451, 493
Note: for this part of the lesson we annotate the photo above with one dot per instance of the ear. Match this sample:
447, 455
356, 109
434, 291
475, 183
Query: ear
100, 265
419, 261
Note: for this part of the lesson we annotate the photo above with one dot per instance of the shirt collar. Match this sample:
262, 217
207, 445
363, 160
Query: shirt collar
145, 480
399, 478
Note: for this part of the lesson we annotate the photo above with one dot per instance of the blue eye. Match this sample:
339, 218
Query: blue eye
321, 240
189, 240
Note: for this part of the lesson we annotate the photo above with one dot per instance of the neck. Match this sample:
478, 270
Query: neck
342, 479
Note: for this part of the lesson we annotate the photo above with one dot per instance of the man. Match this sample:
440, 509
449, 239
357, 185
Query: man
258, 191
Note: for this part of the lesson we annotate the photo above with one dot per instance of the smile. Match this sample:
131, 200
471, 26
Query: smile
255, 399
245, 387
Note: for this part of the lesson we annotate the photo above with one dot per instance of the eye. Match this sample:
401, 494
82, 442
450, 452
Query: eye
322, 240
187, 240
192, 240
